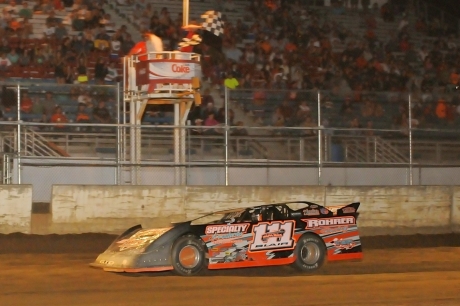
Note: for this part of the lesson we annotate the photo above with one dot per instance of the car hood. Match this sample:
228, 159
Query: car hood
139, 240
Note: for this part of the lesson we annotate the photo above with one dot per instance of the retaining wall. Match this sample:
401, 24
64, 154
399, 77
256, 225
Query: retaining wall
384, 210
15, 208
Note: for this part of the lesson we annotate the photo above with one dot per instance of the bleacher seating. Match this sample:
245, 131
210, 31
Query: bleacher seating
353, 22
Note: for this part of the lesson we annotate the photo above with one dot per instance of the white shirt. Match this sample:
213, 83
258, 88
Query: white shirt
115, 44
154, 44
5, 62
112, 74
49, 31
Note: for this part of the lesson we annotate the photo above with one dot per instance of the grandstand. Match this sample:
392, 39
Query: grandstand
255, 104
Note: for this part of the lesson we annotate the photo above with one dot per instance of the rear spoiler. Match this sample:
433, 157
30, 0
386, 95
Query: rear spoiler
350, 209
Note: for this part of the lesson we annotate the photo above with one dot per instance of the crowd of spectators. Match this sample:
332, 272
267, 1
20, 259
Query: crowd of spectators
57, 105
290, 46
79, 45
76, 35
276, 46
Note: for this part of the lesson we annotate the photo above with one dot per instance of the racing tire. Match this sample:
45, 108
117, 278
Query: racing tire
310, 253
188, 255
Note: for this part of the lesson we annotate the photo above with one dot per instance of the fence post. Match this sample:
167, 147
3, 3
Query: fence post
410, 139
226, 92
117, 168
19, 132
319, 138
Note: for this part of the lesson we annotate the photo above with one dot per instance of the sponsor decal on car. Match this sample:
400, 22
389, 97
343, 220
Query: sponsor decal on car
348, 210
141, 239
333, 230
315, 223
226, 228
311, 212
272, 235
344, 244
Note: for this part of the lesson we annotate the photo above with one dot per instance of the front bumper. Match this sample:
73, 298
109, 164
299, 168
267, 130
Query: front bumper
157, 259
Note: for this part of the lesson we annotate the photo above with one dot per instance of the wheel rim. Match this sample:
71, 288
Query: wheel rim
310, 253
189, 256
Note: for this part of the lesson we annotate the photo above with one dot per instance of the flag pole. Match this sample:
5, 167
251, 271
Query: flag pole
185, 12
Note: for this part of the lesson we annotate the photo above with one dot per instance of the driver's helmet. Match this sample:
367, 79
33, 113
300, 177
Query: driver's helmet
257, 215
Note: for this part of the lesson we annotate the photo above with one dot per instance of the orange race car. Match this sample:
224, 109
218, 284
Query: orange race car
301, 234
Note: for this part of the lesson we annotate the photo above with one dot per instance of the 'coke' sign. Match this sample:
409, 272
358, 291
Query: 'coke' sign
180, 68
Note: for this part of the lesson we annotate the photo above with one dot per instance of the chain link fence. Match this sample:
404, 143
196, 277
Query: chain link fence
55, 134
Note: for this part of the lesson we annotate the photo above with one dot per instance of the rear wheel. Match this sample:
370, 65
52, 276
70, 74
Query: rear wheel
310, 253
188, 255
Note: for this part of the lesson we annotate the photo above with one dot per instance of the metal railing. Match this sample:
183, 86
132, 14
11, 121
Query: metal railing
316, 146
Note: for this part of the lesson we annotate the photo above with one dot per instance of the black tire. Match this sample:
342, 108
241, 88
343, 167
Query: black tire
310, 253
193, 260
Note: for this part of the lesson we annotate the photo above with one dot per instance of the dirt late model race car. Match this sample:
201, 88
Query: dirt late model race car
301, 234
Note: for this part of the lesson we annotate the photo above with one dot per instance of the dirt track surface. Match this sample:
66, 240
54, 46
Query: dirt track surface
400, 270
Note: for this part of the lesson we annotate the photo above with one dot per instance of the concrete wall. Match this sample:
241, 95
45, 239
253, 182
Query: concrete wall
45, 173
384, 210
15, 208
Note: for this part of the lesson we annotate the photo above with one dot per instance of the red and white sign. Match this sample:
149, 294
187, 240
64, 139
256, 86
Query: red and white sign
167, 71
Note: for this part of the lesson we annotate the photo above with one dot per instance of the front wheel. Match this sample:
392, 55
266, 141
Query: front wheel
188, 255
310, 253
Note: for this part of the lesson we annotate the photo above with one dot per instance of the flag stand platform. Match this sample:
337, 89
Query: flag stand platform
169, 77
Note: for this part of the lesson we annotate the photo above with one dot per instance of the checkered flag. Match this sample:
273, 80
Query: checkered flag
213, 22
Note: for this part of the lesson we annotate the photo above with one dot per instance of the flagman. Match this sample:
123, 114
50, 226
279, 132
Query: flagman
151, 43
143, 50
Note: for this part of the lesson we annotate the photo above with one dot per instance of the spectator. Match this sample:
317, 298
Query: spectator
310, 126
277, 118
12, 8
100, 71
286, 111
231, 82
101, 113
26, 103
48, 104
24, 59
39, 57
127, 44
355, 127
82, 73
112, 73
115, 47
70, 74
52, 20
81, 45
210, 121
59, 119
14, 27
50, 31
61, 31
197, 131
82, 117
441, 109
5, 63
210, 109
25, 12
101, 41
58, 5
13, 57
107, 24
85, 98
